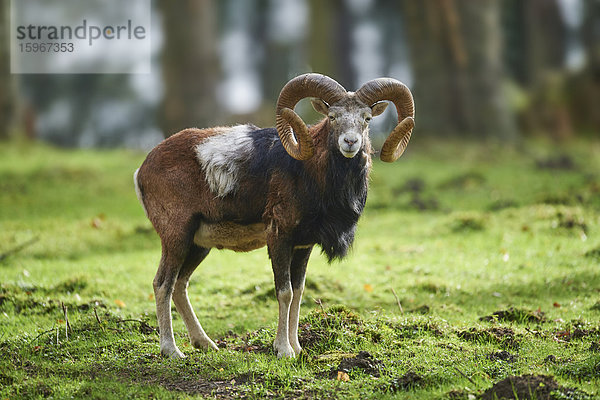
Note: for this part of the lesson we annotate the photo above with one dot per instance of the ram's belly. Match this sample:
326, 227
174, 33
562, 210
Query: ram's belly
232, 236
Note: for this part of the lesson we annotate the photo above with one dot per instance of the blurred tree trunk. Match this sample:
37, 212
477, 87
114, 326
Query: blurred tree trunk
322, 47
534, 39
455, 49
7, 90
189, 62
277, 63
584, 87
331, 40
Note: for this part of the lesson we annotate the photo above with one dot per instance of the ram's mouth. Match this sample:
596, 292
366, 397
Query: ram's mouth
348, 154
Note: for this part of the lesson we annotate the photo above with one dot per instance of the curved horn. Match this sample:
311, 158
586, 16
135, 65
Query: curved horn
396, 92
308, 85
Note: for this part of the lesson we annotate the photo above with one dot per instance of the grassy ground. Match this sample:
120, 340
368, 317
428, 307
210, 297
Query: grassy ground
472, 264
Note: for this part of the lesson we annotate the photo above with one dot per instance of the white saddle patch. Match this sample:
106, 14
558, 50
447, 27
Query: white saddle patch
221, 156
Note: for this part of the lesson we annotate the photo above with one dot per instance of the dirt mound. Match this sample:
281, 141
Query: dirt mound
503, 336
218, 389
502, 355
593, 253
251, 342
534, 387
516, 315
363, 361
408, 381
558, 162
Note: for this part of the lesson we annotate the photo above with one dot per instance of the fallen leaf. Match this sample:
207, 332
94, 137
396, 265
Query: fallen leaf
368, 288
343, 376
557, 305
120, 303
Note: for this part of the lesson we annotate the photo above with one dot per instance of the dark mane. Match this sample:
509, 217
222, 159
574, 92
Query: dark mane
330, 215
333, 222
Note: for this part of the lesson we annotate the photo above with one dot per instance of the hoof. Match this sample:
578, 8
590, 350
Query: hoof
297, 349
172, 353
284, 351
204, 344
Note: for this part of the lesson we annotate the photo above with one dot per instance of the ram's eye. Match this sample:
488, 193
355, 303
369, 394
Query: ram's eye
367, 119
332, 117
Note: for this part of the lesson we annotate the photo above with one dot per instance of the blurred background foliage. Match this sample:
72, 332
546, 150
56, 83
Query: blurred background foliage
478, 69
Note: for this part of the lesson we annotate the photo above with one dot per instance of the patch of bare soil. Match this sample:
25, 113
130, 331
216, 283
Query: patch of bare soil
196, 385
218, 389
363, 361
503, 336
559, 162
502, 355
572, 334
248, 343
522, 387
408, 381
580, 331
534, 387
464, 181
593, 253
413, 330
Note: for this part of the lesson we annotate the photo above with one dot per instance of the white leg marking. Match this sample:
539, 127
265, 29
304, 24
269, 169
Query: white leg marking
165, 323
198, 337
294, 318
282, 342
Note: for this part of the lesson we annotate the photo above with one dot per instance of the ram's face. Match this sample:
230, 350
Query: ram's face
349, 123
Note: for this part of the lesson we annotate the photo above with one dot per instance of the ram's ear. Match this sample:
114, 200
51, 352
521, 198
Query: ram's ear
320, 106
378, 108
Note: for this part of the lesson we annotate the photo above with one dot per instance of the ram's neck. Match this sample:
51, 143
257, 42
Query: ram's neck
318, 164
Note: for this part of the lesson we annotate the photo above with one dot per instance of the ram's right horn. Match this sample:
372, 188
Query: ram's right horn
396, 92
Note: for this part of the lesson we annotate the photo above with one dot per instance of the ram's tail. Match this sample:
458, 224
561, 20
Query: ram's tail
138, 190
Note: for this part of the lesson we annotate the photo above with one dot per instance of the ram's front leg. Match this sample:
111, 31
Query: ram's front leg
298, 272
281, 257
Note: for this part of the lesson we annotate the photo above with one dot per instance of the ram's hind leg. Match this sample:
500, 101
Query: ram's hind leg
171, 261
298, 272
198, 337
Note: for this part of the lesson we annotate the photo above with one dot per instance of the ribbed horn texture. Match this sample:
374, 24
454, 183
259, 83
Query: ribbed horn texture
396, 92
308, 85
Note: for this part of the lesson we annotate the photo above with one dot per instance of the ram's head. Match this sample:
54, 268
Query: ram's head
349, 114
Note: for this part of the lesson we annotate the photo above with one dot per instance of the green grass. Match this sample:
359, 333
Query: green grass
493, 254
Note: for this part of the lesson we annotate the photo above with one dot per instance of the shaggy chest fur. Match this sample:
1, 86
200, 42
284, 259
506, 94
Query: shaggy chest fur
332, 215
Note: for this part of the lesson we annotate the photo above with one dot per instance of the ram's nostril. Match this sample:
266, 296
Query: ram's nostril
350, 142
